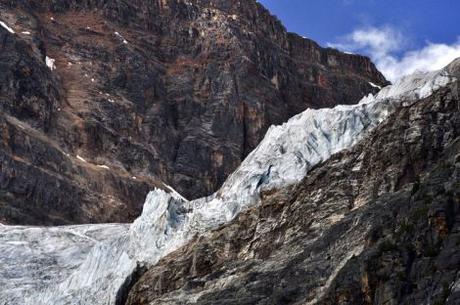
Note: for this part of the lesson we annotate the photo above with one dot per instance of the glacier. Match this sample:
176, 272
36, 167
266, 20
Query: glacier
88, 264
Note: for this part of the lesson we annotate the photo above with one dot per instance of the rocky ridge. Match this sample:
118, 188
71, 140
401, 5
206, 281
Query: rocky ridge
105, 99
377, 224
105, 273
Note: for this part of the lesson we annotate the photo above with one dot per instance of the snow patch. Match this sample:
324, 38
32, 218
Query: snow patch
81, 159
121, 37
50, 63
174, 193
3, 24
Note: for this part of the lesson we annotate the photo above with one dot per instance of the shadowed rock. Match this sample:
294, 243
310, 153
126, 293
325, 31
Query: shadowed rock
144, 91
378, 224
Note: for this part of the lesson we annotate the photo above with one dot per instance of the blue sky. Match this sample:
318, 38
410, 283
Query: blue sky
392, 32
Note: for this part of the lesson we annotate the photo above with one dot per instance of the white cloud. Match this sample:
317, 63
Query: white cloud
382, 45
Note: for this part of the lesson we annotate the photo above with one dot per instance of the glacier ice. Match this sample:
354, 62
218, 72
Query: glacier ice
34, 258
88, 264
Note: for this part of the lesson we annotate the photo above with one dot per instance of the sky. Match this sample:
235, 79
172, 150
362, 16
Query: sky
401, 36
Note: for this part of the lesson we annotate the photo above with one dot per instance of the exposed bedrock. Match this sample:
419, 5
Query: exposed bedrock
104, 99
376, 224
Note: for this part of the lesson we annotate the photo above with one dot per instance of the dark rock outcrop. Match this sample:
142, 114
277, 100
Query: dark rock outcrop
171, 90
377, 224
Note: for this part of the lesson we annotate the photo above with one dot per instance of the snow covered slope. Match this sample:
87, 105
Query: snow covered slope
95, 275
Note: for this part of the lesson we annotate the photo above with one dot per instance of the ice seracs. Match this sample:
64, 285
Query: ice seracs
168, 221
308, 138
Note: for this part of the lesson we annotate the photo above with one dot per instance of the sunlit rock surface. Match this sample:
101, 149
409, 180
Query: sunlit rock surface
378, 224
168, 221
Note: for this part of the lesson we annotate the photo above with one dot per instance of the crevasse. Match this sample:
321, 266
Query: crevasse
94, 274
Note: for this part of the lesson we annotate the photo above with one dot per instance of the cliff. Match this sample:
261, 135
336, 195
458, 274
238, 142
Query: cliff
104, 100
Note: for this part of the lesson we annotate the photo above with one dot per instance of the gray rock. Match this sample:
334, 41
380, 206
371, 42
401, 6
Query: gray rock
378, 224
176, 91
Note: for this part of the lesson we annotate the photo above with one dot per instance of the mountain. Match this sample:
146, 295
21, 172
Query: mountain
376, 224
102, 101
365, 217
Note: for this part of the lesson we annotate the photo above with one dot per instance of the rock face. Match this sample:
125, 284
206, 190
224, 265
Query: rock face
104, 269
100, 100
377, 224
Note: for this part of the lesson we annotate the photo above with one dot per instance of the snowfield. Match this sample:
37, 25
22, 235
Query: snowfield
88, 264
